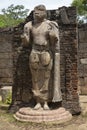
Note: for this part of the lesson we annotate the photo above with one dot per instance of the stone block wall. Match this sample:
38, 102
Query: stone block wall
69, 74
6, 57
82, 58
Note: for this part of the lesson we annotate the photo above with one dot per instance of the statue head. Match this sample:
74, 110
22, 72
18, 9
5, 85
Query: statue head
39, 12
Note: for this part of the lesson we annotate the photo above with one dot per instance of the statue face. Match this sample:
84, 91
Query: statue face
39, 13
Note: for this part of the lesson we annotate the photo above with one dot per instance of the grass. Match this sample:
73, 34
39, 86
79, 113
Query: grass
5, 116
8, 118
4, 112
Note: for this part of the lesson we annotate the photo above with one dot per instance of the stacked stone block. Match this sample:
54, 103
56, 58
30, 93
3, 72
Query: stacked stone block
6, 57
82, 58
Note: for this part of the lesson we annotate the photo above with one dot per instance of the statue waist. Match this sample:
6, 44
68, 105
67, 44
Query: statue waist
40, 47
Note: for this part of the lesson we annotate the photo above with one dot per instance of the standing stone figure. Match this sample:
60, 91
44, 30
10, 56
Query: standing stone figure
44, 36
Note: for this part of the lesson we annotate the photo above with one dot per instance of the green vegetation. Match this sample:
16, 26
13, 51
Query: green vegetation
82, 9
13, 15
9, 98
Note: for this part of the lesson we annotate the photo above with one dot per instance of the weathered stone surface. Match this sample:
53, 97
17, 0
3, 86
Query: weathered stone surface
83, 61
82, 58
5, 91
5, 72
83, 104
82, 127
29, 115
6, 56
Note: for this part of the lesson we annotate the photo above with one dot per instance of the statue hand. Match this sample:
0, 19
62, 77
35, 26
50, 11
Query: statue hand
22, 36
24, 39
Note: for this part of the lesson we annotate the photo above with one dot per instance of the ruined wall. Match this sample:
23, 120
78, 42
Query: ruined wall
6, 57
66, 18
69, 74
82, 58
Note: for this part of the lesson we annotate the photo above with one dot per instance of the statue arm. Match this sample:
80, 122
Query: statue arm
54, 35
26, 35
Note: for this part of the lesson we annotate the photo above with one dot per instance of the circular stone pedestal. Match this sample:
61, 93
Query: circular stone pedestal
29, 115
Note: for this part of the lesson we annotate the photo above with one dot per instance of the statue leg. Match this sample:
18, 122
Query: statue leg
35, 88
34, 67
45, 88
40, 70
47, 65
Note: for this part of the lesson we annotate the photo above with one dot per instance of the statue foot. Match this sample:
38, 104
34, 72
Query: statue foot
46, 107
38, 106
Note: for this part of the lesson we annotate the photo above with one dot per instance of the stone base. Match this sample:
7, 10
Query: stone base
5, 92
30, 115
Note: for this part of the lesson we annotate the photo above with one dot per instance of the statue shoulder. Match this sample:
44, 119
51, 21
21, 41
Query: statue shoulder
52, 23
28, 25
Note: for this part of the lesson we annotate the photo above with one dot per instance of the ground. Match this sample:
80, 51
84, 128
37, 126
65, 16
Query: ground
7, 121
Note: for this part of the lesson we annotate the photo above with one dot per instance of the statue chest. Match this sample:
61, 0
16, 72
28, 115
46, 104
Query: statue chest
40, 30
